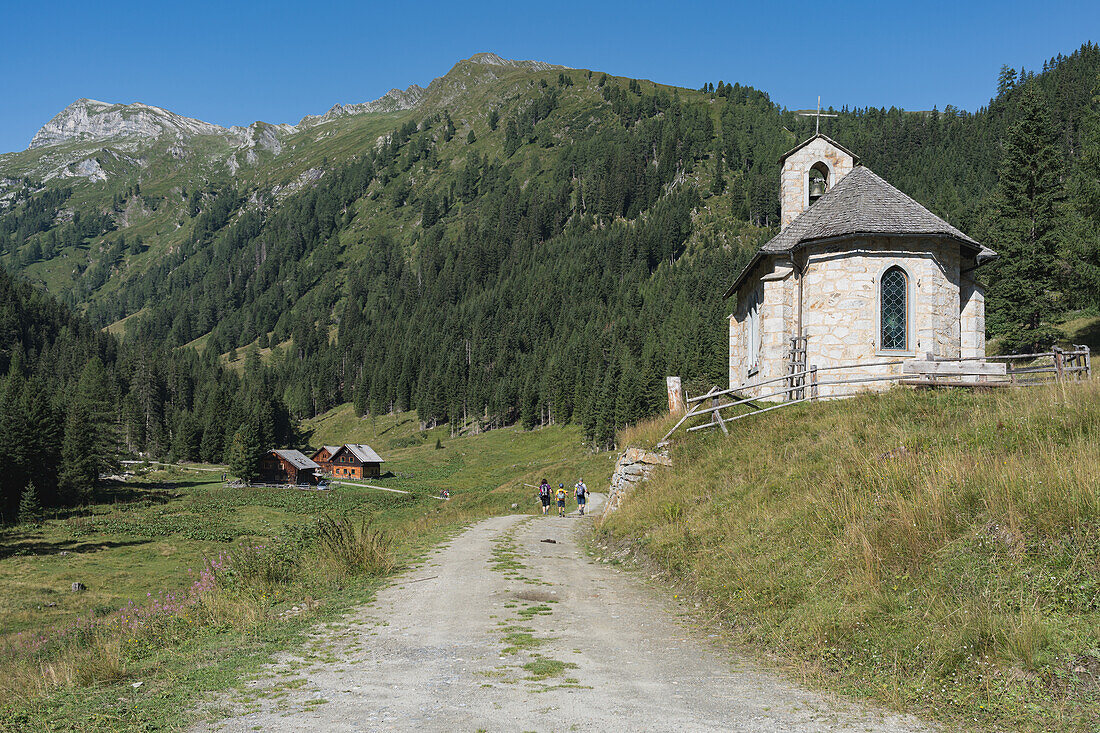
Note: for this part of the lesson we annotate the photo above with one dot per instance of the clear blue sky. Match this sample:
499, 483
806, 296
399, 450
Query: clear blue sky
233, 62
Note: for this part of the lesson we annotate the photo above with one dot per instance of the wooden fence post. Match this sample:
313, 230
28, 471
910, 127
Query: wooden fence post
714, 402
676, 402
1058, 363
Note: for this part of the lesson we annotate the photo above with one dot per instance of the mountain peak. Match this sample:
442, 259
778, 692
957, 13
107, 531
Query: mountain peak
90, 119
489, 58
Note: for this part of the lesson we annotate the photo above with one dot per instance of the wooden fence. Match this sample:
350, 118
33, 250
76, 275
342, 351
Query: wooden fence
1014, 370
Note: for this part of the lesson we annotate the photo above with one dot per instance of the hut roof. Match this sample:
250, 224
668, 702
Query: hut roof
364, 453
295, 458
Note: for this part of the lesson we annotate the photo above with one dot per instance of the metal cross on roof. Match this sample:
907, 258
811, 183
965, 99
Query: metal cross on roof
819, 114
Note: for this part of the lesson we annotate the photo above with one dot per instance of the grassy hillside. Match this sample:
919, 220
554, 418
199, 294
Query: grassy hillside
495, 464
938, 552
527, 244
140, 547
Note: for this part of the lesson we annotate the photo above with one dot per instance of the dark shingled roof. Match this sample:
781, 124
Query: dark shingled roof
296, 458
860, 203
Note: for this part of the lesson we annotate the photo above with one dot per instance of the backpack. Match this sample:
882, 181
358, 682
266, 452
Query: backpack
544, 490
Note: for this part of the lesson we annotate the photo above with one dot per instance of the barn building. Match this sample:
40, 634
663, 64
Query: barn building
859, 273
287, 466
355, 460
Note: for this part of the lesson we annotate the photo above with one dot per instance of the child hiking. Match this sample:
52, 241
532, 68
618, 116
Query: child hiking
544, 496
561, 500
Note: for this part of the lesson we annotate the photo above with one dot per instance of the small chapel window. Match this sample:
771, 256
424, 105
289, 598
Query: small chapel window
894, 297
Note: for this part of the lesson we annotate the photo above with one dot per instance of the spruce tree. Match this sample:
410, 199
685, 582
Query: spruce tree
90, 445
1006, 80
1083, 249
1021, 294
30, 509
245, 452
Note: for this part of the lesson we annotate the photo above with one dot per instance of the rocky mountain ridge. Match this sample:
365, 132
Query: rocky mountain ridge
89, 120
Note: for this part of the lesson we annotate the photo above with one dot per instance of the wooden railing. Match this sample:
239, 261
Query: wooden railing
930, 372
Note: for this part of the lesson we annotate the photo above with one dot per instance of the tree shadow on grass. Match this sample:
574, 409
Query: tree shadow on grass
1089, 335
112, 494
26, 543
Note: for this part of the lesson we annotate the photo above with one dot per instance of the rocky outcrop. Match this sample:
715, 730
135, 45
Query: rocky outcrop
491, 59
88, 119
634, 466
262, 135
395, 100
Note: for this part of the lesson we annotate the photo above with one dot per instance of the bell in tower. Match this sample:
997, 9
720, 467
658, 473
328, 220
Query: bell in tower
808, 172
818, 185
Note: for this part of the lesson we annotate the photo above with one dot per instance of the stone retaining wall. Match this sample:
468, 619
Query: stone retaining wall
633, 466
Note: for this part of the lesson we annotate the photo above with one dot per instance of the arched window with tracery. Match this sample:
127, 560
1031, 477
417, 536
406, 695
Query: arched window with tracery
894, 304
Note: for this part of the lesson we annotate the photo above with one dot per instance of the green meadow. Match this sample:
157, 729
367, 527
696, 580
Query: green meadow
71, 658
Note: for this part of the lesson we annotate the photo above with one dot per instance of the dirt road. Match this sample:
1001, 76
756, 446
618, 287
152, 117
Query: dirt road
500, 630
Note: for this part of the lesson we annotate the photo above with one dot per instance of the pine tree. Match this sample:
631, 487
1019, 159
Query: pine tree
1006, 80
90, 445
511, 138
30, 509
245, 452
18, 438
719, 177
44, 434
1083, 248
604, 436
1025, 231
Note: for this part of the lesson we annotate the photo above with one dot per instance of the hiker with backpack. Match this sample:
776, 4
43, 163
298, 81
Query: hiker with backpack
582, 496
561, 500
544, 496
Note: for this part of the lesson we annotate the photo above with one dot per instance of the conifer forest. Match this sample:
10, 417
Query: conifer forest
541, 248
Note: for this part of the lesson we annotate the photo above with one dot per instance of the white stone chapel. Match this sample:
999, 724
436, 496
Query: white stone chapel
862, 271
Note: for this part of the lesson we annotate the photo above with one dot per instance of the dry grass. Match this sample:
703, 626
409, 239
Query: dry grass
647, 433
97, 660
936, 551
353, 547
241, 591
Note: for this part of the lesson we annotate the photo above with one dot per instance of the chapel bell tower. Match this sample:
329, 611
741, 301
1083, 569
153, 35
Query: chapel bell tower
808, 172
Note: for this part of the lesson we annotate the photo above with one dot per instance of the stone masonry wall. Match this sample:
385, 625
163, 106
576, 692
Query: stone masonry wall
633, 466
972, 323
794, 195
777, 322
840, 311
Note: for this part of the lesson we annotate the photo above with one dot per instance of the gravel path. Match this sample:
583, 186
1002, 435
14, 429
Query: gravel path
499, 630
